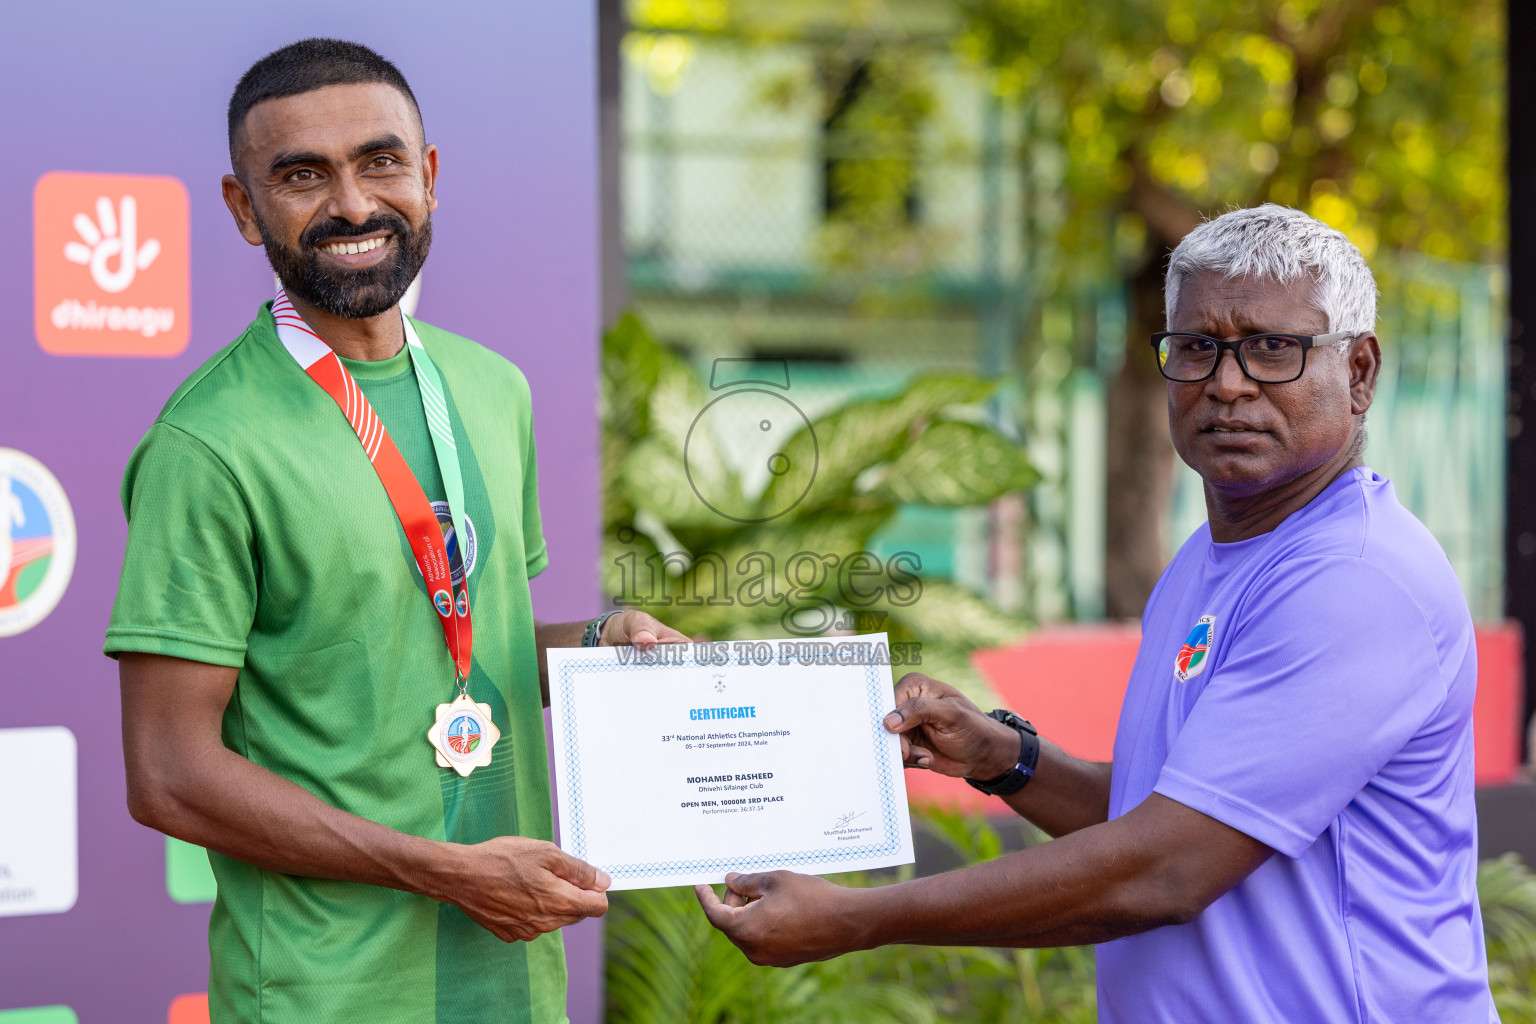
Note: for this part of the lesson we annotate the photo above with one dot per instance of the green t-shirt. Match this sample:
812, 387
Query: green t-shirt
260, 537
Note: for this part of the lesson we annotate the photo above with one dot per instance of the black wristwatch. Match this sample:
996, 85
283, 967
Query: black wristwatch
1017, 777
592, 636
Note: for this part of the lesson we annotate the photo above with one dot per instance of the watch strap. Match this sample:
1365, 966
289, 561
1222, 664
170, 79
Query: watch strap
593, 634
1017, 777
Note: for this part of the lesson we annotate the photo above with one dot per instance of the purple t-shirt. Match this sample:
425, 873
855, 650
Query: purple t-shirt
1312, 688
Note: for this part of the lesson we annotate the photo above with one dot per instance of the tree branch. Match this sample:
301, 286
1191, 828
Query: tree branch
1169, 216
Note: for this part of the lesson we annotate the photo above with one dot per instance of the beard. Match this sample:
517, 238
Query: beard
354, 294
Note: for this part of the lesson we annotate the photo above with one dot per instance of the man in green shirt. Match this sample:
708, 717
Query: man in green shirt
287, 634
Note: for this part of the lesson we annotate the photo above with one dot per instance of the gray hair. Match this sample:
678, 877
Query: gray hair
1283, 245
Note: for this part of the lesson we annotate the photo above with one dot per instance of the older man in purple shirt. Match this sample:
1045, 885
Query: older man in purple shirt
1287, 831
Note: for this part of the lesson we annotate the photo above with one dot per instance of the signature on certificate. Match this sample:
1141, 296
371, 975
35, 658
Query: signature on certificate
848, 819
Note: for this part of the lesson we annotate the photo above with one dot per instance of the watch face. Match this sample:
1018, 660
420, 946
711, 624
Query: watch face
1009, 718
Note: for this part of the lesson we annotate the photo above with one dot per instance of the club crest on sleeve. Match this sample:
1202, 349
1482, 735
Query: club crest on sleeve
1195, 653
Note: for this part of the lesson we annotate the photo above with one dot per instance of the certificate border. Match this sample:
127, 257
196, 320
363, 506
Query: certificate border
873, 692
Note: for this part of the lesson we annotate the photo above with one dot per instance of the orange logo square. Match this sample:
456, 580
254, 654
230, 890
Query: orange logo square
111, 263
191, 1009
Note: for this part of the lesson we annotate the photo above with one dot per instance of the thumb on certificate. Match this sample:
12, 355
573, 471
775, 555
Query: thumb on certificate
579, 872
919, 711
719, 912
750, 886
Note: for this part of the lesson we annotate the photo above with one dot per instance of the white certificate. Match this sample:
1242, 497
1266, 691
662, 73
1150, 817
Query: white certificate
695, 760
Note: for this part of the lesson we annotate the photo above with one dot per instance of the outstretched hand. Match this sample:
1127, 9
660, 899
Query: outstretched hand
780, 918
518, 888
941, 730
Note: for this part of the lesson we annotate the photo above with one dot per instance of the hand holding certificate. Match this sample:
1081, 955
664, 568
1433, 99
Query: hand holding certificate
688, 761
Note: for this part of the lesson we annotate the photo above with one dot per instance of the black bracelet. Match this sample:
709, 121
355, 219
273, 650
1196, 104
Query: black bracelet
1017, 777
593, 634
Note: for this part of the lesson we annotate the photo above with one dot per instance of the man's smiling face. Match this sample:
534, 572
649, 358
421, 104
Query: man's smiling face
1245, 438
341, 194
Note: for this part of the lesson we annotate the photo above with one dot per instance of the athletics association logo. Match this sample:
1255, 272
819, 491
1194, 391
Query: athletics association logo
37, 542
1196, 651
111, 265
457, 559
444, 603
462, 604
464, 734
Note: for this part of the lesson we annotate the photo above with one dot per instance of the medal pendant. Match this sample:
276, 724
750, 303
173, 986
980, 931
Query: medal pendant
463, 735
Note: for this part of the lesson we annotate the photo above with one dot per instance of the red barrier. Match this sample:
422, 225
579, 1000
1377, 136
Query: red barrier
1070, 680
1500, 705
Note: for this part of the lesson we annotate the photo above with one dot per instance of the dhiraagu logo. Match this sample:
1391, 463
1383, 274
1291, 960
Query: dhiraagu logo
37, 542
113, 234
111, 264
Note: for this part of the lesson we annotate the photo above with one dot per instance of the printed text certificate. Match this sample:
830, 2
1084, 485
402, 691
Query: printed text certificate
696, 760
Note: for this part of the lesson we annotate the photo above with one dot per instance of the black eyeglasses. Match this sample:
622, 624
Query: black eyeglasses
1263, 358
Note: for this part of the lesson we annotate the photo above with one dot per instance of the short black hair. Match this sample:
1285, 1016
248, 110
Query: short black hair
305, 66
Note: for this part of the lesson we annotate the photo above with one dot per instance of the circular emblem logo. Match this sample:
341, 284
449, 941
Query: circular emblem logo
464, 734
444, 603
37, 542
462, 604
457, 559
1196, 649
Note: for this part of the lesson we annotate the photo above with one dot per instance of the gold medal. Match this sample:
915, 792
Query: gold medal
463, 735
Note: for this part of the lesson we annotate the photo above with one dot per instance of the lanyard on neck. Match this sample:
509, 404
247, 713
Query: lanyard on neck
405, 494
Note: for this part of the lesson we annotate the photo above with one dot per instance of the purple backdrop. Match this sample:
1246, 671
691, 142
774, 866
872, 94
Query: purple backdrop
508, 92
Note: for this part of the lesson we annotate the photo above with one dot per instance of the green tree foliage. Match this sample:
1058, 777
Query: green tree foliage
1383, 118
876, 103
